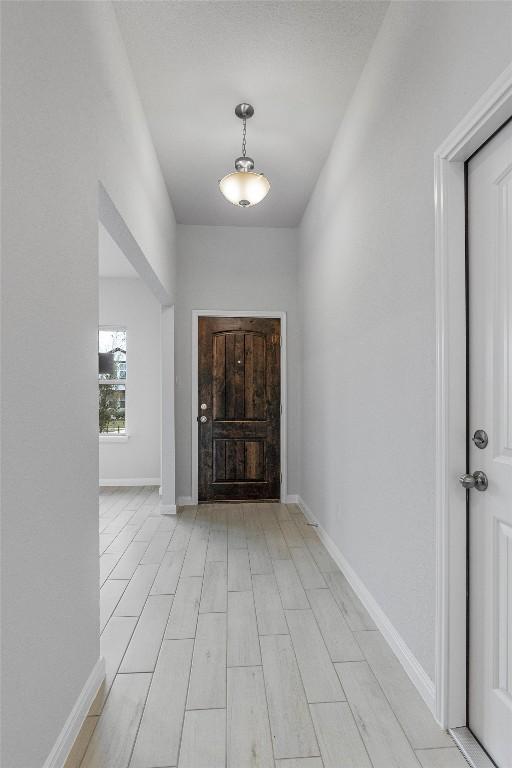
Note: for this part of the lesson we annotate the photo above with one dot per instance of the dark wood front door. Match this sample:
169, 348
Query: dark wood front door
240, 404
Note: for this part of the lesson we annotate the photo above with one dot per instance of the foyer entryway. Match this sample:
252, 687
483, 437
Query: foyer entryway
231, 638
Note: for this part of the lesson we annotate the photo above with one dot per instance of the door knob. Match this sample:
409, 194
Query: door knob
480, 438
203, 419
477, 480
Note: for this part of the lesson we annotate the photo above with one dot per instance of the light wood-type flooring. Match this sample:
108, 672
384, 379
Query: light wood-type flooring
231, 638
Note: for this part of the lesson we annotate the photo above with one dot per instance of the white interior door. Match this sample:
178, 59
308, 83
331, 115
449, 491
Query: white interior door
490, 381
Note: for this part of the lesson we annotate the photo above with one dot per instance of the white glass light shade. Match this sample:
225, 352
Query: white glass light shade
244, 188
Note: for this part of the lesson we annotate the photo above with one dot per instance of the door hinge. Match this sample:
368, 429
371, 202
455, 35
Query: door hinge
281, 408
281, 477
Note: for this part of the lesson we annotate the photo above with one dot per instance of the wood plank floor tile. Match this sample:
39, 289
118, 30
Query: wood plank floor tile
218, 517
195, 559
140, 516
120, 500
227, 603
129, 561
236, 527
259, 556
239, 572
114, 735
166, 580
290, 720
202, 518
105, 540
251, 519
407, 704
140, 498
338, 637
351, 607
291, 534
215, 588
110, 594
243, 643
157, 547
158, 739
383, 736
319, 677
119, 522
107, 564
108, 497
448, 757
269, 610
207, 689
148, 529
142, 651
320, 555
135, 595
289, 585
168, 523
307, 569
307, 530
217, 546
282, 513
183, 617
181, 535
203, 743
122, 539
339, 740
266, 516
249, 742
276, 543
113, 644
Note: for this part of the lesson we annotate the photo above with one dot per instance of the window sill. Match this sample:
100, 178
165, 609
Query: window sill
103, 438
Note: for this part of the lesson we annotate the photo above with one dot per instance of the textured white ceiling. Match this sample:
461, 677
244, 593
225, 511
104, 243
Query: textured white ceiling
296, 62
111, 260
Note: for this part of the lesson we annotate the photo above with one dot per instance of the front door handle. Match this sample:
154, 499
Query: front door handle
477, 480
203, 419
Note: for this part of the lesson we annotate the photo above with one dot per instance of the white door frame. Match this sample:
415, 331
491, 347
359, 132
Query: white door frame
196, 314
486, 117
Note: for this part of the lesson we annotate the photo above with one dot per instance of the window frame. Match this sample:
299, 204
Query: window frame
116, 437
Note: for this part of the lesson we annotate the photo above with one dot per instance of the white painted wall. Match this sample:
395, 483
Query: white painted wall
70, 117
127, 302
367, 287
234, 268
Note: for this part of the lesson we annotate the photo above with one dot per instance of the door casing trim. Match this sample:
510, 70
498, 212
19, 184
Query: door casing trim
491, 111
196, 314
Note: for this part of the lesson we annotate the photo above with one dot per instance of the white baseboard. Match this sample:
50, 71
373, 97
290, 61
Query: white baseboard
185, 501
72, 726
132, 481
167, 509
292, 498
405, 656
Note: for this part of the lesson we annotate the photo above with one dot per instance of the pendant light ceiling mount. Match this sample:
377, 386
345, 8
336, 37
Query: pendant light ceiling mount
245, 187
244, 111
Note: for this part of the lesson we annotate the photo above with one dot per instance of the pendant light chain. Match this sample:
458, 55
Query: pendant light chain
244, 186
244, 134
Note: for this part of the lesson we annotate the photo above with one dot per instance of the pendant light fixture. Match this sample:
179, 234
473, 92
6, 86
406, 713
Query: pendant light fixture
244, 187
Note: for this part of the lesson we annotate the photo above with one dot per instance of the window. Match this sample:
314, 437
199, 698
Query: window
112, 381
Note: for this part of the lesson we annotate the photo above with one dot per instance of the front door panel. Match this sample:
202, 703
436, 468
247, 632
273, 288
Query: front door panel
239, 413
490, 511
